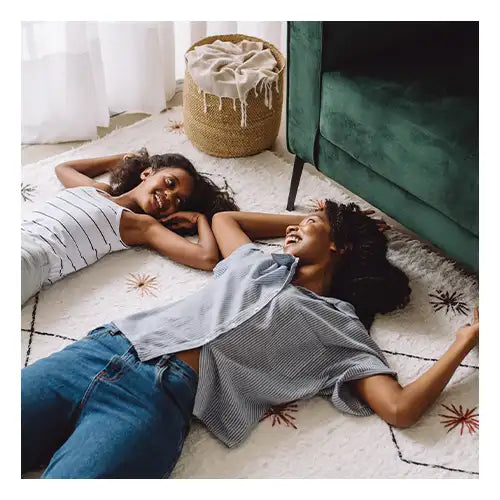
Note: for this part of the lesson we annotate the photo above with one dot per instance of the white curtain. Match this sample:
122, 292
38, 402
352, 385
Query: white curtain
62, 85
75, 73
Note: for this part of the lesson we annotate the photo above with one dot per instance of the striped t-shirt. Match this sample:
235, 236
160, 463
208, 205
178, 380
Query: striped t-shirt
264, 342
75, 229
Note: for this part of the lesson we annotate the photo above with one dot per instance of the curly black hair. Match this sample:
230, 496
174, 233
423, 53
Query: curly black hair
366, 279
207, 197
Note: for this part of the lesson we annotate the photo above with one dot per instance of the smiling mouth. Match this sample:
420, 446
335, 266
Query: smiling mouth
160, 201
291, 240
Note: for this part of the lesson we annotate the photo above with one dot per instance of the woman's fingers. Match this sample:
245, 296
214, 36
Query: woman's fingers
319, 205
176, 217
170, 221
178, 225
476, 314
382, 225
169, 217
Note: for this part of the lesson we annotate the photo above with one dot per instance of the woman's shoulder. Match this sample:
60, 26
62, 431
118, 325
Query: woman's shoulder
102, 188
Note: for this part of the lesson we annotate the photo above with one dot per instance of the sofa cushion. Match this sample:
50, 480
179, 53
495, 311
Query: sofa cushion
429, 223
416, 127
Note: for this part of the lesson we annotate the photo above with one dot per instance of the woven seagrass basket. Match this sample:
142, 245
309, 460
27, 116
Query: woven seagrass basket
218, 132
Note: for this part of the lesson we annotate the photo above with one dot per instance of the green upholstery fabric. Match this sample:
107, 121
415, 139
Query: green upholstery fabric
419, 217
408, 135
390, 110
303, 87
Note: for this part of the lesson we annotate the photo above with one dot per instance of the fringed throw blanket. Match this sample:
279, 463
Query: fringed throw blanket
226, 69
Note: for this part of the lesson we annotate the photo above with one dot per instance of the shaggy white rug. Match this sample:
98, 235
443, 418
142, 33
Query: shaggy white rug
304, 439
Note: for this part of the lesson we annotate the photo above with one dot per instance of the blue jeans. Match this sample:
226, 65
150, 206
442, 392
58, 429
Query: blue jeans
93, 410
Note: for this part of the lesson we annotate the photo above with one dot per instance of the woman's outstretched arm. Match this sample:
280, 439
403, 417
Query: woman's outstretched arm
403, 406
233, 229
75, 173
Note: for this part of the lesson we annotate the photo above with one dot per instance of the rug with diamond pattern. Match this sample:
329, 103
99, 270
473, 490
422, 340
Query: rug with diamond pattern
302, 439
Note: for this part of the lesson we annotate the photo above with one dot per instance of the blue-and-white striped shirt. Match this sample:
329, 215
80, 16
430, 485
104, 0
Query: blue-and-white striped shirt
265, 342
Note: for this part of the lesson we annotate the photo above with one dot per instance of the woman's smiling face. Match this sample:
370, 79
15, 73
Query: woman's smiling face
164, 192
311, 239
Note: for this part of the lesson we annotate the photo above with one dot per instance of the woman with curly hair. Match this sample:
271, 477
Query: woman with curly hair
266, 330
90, 219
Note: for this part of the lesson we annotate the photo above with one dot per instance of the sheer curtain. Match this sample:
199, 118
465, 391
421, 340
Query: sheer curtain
75, 73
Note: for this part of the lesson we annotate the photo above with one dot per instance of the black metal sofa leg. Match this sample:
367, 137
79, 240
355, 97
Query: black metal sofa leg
294, 184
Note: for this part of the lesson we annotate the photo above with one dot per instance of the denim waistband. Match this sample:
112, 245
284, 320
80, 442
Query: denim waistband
178, 363
170, 359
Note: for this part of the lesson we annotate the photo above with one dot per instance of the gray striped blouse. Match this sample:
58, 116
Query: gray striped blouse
265, 342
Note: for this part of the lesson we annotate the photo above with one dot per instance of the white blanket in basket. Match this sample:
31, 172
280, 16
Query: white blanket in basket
227, 69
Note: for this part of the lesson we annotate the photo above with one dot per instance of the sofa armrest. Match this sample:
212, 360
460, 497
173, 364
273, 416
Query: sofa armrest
304, 56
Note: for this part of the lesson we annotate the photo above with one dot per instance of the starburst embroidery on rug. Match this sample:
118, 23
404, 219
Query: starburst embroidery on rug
450, 302
143, 283
466, 419
176, 127
27, 191
281, 414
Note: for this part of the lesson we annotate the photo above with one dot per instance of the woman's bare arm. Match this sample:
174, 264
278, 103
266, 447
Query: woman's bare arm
75, 173
234, 229
139, 229
403, 406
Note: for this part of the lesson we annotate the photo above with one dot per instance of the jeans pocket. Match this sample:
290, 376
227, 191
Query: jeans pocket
115, 369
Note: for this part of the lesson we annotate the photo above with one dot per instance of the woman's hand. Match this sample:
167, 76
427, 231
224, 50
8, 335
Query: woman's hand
381, 224
143, 152
469, 334
129, 156
181, 220
403, 407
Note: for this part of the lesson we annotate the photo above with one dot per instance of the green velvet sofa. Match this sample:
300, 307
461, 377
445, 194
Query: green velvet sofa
390, 111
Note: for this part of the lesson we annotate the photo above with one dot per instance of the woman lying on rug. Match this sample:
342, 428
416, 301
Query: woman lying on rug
92, 219
266, 330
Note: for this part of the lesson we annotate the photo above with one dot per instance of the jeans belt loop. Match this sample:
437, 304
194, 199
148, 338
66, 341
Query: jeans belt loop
114, 330
164, 360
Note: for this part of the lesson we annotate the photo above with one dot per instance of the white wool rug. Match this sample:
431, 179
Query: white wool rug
304, 439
